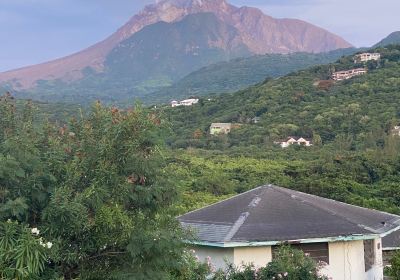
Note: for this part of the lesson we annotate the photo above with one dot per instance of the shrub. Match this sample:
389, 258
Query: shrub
394, 270
289, 264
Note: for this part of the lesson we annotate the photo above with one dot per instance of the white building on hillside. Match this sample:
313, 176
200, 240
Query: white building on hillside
220, 128
294, 141
364, 57
186, 102
348, 74
396, 130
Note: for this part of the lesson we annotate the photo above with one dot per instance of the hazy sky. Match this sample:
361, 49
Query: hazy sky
33, 31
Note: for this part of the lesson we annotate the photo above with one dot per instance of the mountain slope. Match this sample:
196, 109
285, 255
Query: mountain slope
240, 73
260, 33
156, 56
393, 38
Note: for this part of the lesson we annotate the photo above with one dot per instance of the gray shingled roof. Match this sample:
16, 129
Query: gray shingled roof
392, 241
271, 213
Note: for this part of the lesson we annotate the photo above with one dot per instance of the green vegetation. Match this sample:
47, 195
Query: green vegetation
85, 200
95, 197
304, 104
115, 86
288, 264
394, 270
354, 158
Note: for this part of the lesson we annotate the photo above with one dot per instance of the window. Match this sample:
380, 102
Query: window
369, 254
317, 251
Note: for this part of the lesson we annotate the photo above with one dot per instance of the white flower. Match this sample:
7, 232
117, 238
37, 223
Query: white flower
35, 231
41, 242
49, 245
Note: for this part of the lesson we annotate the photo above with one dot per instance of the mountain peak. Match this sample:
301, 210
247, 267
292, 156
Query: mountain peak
191, 3
190, 6
259, 33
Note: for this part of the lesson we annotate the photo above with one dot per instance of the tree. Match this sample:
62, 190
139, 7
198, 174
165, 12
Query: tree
93, 188
394, 270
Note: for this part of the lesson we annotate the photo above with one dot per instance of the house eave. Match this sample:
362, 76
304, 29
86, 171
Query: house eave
391, 231
391, 249
273, 243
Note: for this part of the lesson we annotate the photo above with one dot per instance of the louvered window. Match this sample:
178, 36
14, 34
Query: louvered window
369, 254
317, 251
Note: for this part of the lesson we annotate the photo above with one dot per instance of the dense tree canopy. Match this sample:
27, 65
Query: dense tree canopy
84, 200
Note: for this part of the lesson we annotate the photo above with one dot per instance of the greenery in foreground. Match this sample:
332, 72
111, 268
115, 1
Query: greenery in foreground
394, 269
87, 200
92, 199
288, 264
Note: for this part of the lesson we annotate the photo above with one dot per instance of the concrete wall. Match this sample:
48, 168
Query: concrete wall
259, 256
219, 256
376, 272
346, 261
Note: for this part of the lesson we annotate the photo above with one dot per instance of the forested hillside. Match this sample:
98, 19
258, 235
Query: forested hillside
240, 73
124, 78
355, 158
306, 103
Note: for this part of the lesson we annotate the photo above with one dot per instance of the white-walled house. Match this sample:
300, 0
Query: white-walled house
220, 128
186, 102
175, 103
348, 74
396, 130
247, 228
292, 140
364, 57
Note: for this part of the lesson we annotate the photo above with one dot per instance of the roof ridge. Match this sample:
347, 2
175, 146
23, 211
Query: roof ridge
243, 217
236, 226
340, 202
224, 200
332, 213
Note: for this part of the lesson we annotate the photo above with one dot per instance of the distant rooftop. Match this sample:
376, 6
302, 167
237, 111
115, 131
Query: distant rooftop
270, 213
392, 241
221, 125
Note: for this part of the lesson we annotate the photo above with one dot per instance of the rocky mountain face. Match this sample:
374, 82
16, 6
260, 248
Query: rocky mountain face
238, 31
175, 48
